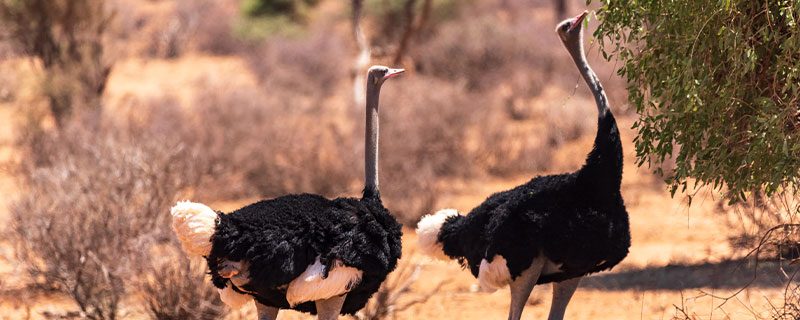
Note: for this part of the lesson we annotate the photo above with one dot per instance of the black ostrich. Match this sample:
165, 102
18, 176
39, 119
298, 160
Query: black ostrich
554, 228
301, 252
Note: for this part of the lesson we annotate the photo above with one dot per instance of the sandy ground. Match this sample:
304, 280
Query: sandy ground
677, 253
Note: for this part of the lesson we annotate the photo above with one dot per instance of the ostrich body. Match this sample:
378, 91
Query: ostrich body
303, 252
554, 228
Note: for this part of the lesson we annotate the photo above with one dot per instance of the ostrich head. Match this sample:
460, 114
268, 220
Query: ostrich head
378, 74
571, 31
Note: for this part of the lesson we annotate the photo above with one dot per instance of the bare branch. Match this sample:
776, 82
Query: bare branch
408, 32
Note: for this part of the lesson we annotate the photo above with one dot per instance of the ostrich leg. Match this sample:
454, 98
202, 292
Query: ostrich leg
562, 293
329, 309
522, 286
265, 312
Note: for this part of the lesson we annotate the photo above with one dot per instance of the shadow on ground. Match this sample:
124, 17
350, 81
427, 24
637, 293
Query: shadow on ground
731, 274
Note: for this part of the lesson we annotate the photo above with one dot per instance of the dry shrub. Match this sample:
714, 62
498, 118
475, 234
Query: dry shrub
523, 54
791, 301
210, 24
512, 145
475, 53
424, 124
298, 135
485, 52
393, 295
177, 288
426, 121
169, 29
768, 228
509, 64
204, 25
435, 129
170, 38
256, 146
68, 37
92, 198
512, 149
759, 217
307, 68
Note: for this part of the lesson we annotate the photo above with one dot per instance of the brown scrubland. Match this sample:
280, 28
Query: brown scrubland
186, 101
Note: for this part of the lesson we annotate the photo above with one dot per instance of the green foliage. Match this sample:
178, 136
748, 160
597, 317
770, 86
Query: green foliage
259, 28
261, 19
716, 84
294, 8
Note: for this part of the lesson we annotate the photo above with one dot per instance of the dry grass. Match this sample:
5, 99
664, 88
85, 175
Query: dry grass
176, 288
424, 126
310, 67
257, 147
391, 297
477, 104
92, 199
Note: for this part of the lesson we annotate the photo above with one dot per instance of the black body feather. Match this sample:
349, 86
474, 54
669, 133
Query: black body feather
281, 237
576, 219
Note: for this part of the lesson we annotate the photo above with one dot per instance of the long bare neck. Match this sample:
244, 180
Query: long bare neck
603, 168
371, 140
576, 51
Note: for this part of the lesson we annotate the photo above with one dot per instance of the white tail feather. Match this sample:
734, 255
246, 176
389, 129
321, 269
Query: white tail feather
310, 285
428, 233
194, 223
493, 276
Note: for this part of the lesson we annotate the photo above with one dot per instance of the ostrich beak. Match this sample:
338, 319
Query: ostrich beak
578, 20
392, 73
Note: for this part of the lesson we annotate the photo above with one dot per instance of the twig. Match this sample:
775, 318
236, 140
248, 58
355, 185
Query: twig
755, 253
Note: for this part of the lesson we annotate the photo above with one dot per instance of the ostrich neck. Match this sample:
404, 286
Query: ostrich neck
371, 141
603, 168
576, 51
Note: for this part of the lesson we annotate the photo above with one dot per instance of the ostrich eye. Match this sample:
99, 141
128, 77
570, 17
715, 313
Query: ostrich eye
566, 26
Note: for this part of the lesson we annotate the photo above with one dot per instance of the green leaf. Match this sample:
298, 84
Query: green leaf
711, 84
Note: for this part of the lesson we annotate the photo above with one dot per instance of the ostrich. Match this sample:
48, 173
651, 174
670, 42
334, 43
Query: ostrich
554, 228
301, 252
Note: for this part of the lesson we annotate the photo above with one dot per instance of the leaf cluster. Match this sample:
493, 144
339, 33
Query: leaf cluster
716, 85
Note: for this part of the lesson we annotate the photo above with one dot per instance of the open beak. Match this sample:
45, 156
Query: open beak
578, 20
392, 73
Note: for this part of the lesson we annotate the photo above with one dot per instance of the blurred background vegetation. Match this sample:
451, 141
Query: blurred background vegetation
96, 171
98, 156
